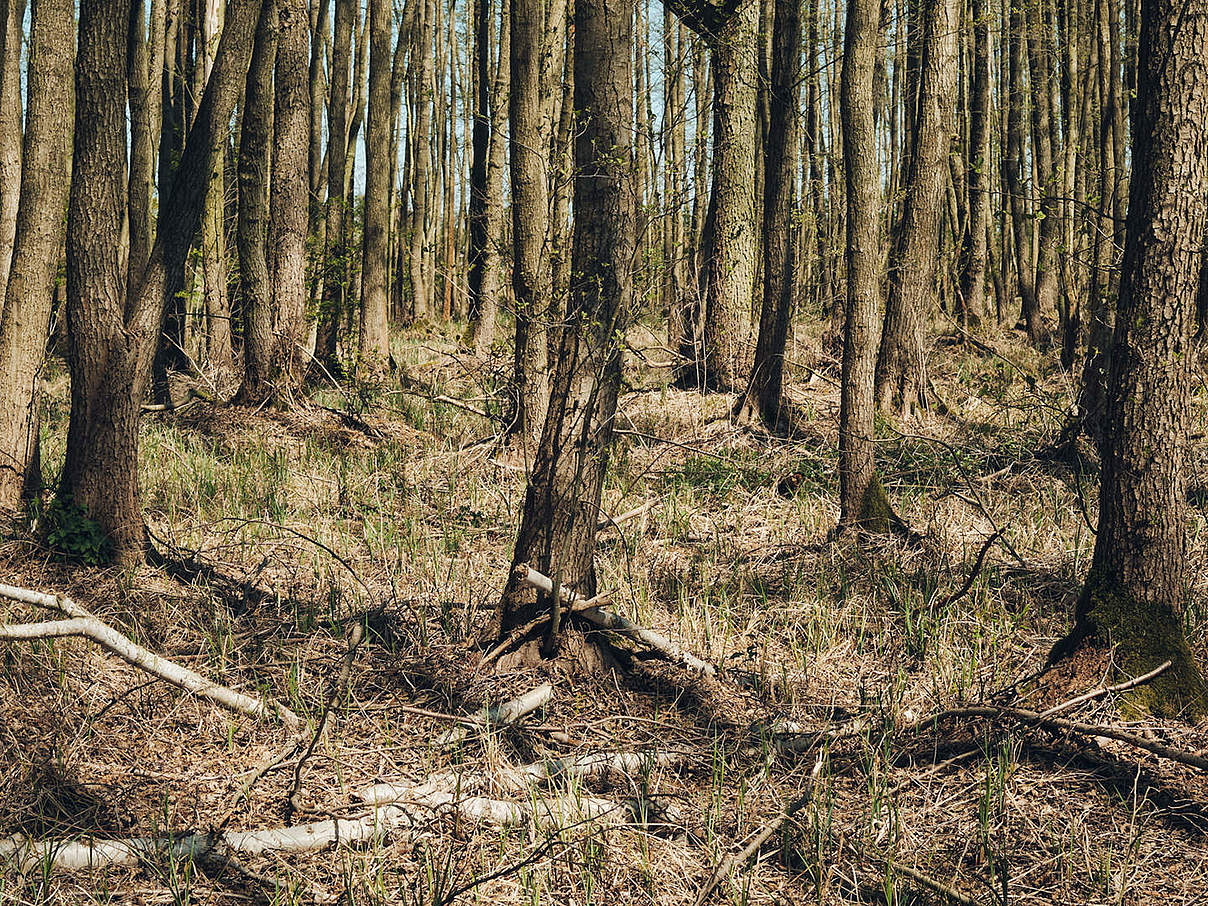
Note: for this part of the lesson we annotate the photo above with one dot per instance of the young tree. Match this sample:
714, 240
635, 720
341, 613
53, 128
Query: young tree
374, 352
562, 502
973, 251
25, 313
111, 344
12, 13
1135, 591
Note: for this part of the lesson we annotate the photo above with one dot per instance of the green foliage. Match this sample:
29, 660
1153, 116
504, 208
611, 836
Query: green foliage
717, 476
73, 535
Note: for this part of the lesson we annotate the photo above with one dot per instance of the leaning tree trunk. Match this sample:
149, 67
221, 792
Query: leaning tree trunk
29, 297
901, 375
562, 503
862, 500
251, 235
374, 351
1136, 589
762, 395
111, 344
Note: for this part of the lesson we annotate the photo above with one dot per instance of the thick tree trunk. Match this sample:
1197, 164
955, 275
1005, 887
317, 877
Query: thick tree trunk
562, 503
729, 241
862, 500
375, 333
288, 211
1135, 592
901, 375
762, 396
111, 344
25, 314
252, 227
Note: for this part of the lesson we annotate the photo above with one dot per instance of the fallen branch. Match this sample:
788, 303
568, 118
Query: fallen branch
727, 865
520, 633
616, 623
615, 521
85, 625
519, 780
338, 690
973, 573
91, 854
1107, 690
499, 715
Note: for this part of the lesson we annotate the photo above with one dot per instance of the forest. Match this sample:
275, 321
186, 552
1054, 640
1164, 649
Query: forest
601, 451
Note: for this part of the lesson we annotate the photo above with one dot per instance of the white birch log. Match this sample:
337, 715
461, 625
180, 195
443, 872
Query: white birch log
84, 624
499, 715
617, 623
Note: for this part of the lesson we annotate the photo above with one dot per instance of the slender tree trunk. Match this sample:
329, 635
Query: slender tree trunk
375, 333
335, 255
762, 395
862, 500
973, 264
562, 503
421, 164
901, 375
29, 296
252, 227
1048, 233
1136, 589
12, 13
1013, 169
480, 162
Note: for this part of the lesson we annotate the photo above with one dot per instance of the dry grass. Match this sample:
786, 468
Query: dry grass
399, 519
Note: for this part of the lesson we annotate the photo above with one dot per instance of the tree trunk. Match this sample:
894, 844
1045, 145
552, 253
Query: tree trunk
375, 332
562, 503
901, 375
730, 245
973, 263
110, 344
479, 163
252, 227
1135, 592
862, 500
421, 163
1012, 164
335, 252
1040, 66
12, 13
762, 395
29, 297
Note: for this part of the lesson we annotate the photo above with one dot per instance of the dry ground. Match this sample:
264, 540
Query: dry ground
400, 513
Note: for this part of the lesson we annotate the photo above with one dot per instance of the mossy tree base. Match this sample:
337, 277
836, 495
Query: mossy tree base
1141, 636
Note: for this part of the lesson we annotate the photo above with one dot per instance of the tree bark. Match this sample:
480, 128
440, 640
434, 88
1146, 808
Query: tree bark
29, 296
862, 502
421, 157
252, 227
762, 395
12, 13
562, 503
729, 242
375, 333
335, 250
1012, 165
111, 344
901, 375
1136, 589
973, 256
480, 162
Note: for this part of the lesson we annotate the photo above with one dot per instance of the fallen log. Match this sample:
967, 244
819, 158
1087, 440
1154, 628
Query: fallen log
616, 623
82, 623
499, 715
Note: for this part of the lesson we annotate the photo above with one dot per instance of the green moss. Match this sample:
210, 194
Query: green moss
876, 513
1142, 636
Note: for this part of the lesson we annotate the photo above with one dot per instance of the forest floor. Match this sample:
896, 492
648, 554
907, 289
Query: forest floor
400, 513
